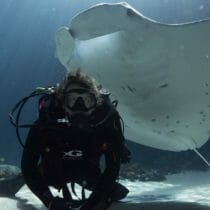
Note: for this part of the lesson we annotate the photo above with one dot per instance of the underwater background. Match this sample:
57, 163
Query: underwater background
27, 60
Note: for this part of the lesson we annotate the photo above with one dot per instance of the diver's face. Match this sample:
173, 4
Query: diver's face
79, 100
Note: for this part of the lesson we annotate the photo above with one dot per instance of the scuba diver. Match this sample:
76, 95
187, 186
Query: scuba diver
77, 139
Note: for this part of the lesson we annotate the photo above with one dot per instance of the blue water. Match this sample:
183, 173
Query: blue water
27, 29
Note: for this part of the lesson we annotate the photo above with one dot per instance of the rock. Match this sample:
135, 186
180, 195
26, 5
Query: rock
11, 180
134, 172
2, 159
167, 162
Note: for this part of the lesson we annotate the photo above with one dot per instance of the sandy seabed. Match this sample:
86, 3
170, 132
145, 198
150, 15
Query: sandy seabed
159, 206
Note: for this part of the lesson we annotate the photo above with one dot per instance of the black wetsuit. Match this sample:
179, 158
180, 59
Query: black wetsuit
57, 153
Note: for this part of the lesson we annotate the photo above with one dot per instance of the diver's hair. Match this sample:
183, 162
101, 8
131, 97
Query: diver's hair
79, 78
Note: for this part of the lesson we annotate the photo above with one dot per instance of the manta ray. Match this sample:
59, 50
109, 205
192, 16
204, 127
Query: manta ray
160, 73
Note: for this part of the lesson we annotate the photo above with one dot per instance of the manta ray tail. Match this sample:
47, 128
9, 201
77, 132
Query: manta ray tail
201, 156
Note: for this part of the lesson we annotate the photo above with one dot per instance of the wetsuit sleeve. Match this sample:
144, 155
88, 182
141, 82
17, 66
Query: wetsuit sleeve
125, 154
112, 166
113, 156
106, 183
29, 166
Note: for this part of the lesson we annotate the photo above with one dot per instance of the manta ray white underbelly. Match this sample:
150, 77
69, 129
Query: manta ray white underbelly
159, 73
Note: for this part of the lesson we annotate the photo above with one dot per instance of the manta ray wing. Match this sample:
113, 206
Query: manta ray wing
159, 73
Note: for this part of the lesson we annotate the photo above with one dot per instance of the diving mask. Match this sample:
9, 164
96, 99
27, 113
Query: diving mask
80, 99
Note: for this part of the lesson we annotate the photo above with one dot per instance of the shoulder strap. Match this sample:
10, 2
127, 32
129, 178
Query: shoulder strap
47, 107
